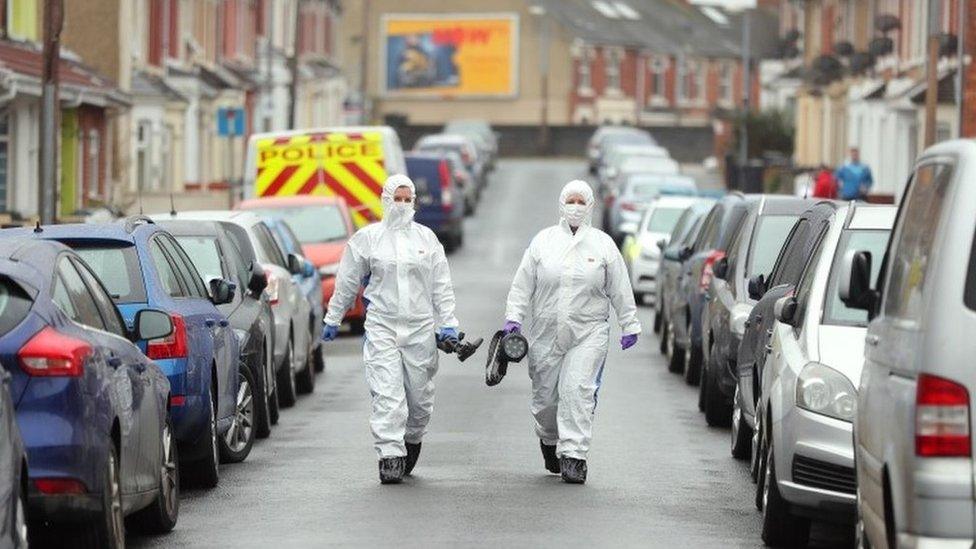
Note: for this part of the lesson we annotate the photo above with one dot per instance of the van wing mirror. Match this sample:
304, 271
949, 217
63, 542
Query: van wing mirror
855, 282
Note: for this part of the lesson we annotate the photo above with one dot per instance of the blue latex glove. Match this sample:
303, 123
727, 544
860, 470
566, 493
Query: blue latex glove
330, 332
447, 333
511, 327
628, 341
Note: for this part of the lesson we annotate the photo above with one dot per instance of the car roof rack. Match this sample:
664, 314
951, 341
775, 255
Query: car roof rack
134, 221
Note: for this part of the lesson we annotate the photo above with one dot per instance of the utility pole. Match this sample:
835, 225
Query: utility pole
932, 75
48, 169
293, 66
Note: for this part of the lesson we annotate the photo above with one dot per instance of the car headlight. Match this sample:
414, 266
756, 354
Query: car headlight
329, 269
823, 390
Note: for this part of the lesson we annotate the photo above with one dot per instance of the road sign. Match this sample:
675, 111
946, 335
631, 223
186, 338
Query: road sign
230, 122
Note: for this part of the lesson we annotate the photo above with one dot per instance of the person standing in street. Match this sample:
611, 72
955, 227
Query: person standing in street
411, 297
824, 185
568, 279
854, 178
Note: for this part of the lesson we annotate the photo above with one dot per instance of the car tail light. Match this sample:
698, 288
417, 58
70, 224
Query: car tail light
60, 486
707, 273
941, 418
177, 400
53, 354
628, 206
272, 287
447, 201
171, 346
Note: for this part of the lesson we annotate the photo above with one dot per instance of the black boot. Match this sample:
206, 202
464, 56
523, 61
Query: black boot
573, 470
413, 453
549, 454
391, 470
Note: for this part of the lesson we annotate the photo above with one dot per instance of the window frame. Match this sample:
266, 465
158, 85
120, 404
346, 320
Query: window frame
103, 301
63, 263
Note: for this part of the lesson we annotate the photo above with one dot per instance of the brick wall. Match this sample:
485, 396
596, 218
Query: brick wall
969, 81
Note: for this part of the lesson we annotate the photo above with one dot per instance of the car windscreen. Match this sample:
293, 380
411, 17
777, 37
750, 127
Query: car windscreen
204, 254
117, 265
874, 242
14, 304
311, 224
770, 234
663, 220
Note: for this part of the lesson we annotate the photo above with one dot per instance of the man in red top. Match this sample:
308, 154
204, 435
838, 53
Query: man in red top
824, 185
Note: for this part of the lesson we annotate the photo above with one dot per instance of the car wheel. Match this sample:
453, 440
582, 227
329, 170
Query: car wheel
108, 528
692, 360
760, 463
21, 534
161, 516
780, 528
262, 399
273, 408
702, 387
676, 357
205, 472
305, 379
755, 446
319, 357
717, 412
657, 321
236, 443
741, 433
663, 344
286, 377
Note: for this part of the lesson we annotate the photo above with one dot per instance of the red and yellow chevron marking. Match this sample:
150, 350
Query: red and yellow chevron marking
349, 165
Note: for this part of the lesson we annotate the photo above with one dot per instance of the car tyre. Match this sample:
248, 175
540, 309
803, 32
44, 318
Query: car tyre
741, 434
161, 516
663, 344
676, 356
657, 321
717, 412
236, 443
305, 379
20, 522
286, 378
693, 361
319, 359
780, 528
262, 406
108, 527
205, 472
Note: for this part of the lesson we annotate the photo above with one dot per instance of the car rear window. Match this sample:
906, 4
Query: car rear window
875, 242
117, 266
311, 224
770, 235
204, 254
663, 220
14, 304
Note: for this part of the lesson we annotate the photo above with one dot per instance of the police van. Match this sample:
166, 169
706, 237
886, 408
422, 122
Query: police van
351, 162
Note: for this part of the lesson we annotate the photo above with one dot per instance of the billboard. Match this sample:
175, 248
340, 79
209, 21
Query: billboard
450, 55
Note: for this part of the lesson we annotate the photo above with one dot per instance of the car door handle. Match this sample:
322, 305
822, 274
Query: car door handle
223, 323
210, 323
114, 361
872, 339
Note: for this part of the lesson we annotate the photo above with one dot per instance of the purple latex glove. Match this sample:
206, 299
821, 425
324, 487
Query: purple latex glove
628, 341
512, 327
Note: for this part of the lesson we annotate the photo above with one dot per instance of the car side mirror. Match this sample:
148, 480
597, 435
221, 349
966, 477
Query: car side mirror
785, 310
309, 269
258, 281
720, 269
151, 324
855, 282
221, 291
661, 244
685, 252
757, 287
296, 264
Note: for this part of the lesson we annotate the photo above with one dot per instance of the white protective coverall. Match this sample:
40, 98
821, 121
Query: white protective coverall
566, 284
410, 297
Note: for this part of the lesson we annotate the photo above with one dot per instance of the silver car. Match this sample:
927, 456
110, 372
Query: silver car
294, 340
913, 432
636, 193
808, 387
642, 249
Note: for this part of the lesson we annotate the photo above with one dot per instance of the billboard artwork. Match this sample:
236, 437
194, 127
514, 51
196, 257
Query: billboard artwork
464, 55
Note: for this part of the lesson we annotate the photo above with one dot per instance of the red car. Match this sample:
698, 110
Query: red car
322, 224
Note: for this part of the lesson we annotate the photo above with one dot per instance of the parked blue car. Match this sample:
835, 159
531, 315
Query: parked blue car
143, 266
310, 283
440, 200
92, 409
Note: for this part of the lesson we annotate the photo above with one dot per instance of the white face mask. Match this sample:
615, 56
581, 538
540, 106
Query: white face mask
575, 214
400, 215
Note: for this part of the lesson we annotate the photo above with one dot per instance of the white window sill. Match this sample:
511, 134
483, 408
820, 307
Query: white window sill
585, 92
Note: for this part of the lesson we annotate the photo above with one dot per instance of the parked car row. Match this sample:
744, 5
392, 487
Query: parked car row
450, 170
140, 355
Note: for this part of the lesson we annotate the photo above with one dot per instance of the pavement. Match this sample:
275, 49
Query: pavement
658, 476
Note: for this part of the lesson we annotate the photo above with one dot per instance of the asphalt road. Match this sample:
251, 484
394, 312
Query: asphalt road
658, 477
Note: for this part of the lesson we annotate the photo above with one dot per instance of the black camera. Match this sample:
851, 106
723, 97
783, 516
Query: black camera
463, 349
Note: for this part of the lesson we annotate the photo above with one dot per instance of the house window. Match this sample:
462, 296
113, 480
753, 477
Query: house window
658, 67
93, 159
583, 72
690, 81
613, 69
4, 158
143, 156
725, 83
